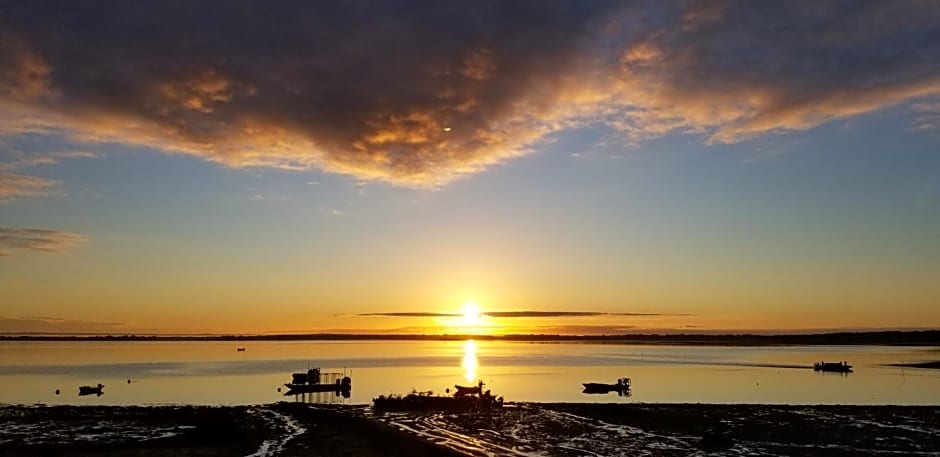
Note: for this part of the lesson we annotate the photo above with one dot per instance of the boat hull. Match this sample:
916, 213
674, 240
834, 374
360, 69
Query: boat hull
621, 386
90, 390
833, 367
597, 388
309, 388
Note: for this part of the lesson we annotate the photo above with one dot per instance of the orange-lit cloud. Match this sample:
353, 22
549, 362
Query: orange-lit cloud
14, 185
34, 239
420, 95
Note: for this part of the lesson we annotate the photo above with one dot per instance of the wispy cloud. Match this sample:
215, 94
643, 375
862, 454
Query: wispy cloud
568, 314
516, 314
54, 325
928, 116
34, 239
409, 314
23, 160
426, 93
14, 184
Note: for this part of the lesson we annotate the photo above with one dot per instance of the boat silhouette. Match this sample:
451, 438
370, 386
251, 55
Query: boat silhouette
309, 382
91, 390
835, 367
622, 387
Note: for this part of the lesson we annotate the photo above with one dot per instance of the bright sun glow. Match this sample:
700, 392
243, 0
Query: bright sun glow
470, 314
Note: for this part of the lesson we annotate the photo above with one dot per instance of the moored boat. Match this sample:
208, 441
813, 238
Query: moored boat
91, 390
311, 382
622, 385
835, 367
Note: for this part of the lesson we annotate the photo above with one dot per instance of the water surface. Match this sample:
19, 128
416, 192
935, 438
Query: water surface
215, 373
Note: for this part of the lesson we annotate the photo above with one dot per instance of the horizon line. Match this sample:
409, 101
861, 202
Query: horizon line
922, 336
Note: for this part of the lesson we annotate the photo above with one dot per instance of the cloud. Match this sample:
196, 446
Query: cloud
415, 314
14, 185
34, 239
419, 95
22, 160
928, 116
516, 314
54, 325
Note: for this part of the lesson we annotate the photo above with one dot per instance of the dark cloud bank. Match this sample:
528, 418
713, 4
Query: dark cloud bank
419, 93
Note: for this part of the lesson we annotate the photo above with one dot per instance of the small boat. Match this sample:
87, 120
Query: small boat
240, 349
835, 367
309, 382
91, 390
460, 391
621, 386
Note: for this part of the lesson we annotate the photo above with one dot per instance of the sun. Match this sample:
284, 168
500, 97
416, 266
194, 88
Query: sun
470, 314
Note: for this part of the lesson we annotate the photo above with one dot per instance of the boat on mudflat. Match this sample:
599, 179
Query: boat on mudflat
311, 382
472, 398
621, 386
835, 367
91, 390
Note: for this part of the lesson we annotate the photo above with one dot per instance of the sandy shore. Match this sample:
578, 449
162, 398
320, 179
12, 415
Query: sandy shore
291, 429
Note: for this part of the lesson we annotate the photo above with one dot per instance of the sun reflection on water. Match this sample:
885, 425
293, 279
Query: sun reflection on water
470, 362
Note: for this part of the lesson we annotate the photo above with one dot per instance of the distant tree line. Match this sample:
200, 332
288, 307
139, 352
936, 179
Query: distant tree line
882, 338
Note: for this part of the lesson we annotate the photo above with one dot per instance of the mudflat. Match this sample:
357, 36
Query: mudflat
564, 429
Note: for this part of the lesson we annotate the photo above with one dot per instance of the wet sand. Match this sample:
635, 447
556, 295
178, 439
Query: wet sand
527, 429
282, 429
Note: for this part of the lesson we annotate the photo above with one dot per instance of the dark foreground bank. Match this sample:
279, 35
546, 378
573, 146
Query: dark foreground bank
290, 429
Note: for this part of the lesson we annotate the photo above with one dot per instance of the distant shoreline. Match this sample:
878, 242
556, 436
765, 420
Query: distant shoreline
880, 338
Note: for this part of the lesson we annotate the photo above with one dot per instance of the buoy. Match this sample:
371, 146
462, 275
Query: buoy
278, 389
57, 391
128, 381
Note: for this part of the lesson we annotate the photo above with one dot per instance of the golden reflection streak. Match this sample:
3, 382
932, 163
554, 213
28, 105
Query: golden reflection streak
470, 362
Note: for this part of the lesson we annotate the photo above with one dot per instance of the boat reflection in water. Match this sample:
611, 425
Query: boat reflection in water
322, 398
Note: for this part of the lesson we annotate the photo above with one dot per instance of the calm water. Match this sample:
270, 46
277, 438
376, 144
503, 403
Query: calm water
215, 373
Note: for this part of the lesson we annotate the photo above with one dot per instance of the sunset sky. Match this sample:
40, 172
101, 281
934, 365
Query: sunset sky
378, 166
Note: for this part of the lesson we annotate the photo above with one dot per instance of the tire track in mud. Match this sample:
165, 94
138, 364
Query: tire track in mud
530, 432
587, 436
436, 428
524, 430
284, 428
